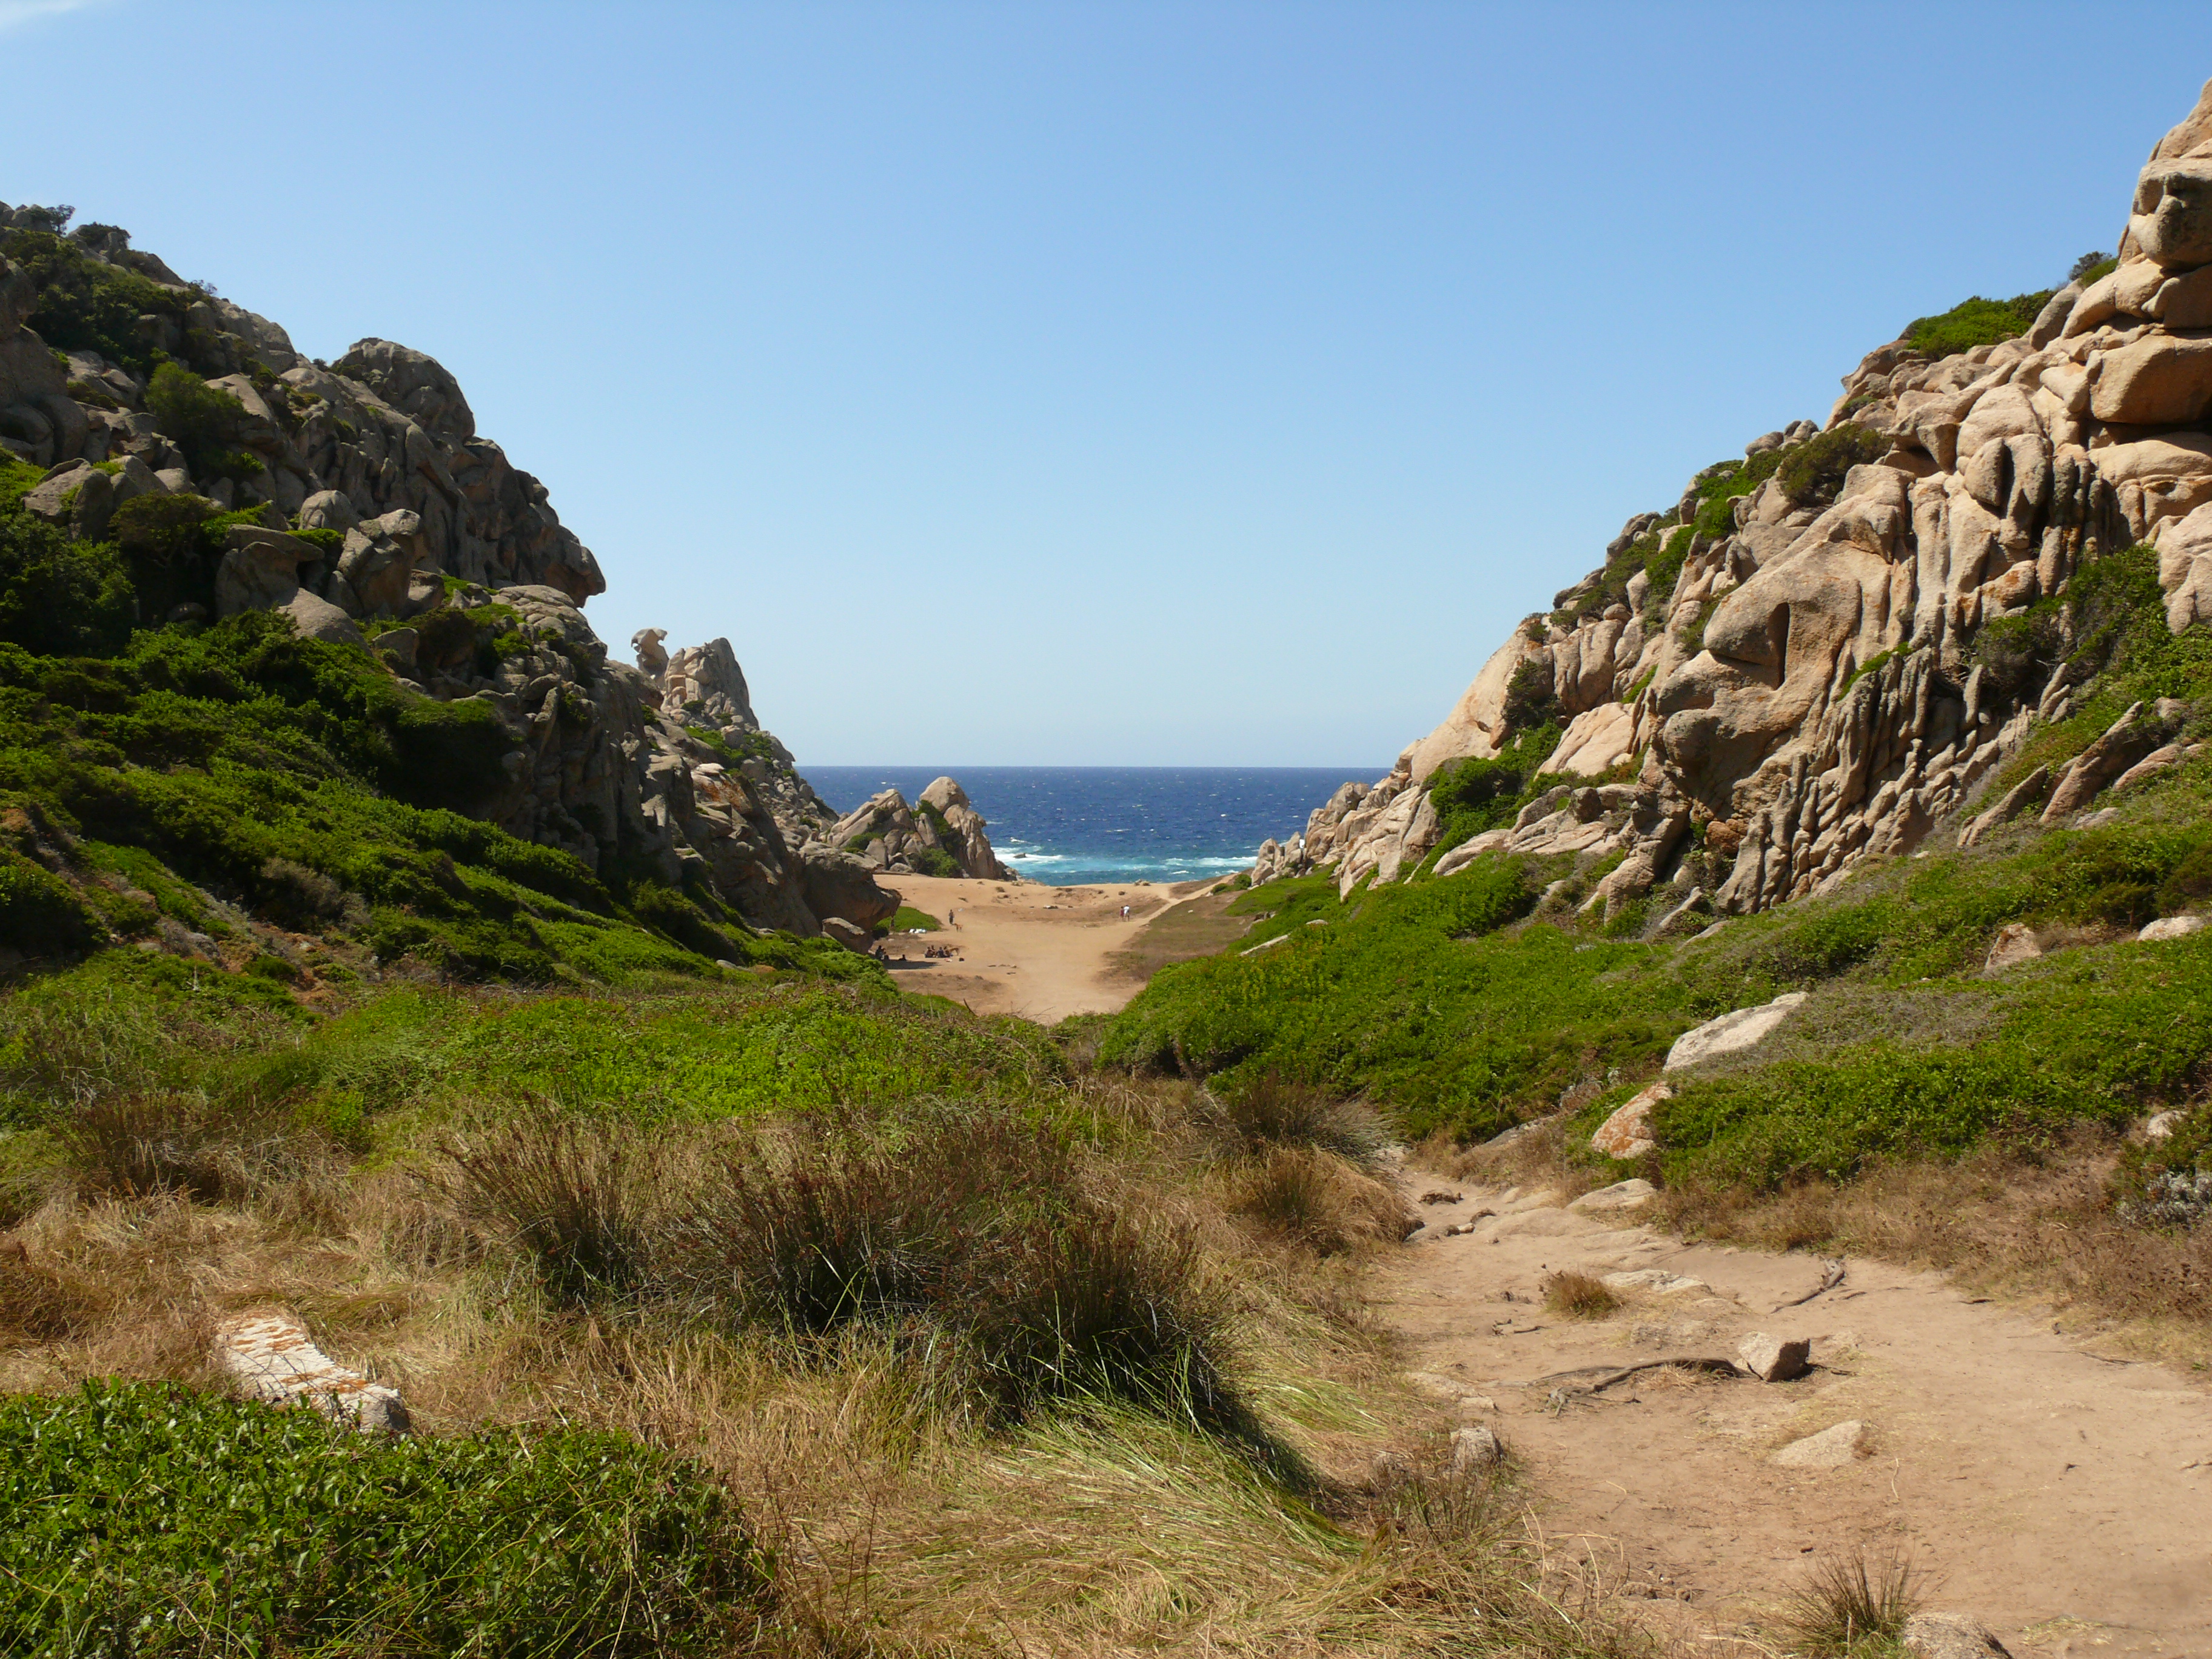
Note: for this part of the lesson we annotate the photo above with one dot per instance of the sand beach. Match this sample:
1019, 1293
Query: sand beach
1047, 952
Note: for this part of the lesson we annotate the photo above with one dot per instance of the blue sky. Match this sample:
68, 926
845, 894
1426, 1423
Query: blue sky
1102, 384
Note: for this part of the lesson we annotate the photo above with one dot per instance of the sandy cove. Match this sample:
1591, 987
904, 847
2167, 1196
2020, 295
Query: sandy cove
1047, 952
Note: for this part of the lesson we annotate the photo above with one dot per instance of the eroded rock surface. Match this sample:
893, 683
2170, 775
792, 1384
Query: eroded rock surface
1784, 685
384, 521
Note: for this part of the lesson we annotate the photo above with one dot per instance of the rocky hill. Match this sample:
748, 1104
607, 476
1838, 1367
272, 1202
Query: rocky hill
173, 465
1822, 651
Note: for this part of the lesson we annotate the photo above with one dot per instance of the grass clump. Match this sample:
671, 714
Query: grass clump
1579, 1296
1975, 322
1853, 1606
287, 1533
908, 919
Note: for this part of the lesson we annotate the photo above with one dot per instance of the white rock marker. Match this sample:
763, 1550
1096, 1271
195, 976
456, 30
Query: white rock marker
271, 1356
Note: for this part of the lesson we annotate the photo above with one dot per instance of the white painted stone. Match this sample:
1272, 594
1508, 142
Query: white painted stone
270, 1355
1745, 1028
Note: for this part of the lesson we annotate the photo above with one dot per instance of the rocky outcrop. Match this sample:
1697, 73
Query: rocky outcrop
382, 520
1779, 675
941, 834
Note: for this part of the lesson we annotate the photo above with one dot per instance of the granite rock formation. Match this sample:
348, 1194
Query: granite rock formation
941, 834
1787, 676
367, 508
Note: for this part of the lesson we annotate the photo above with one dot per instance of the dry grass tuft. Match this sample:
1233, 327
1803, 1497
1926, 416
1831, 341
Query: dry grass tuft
1852, 1605
1316, 1199
1272, 1111
1579, 1296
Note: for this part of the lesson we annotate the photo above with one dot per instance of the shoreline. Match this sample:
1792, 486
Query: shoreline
1045, 953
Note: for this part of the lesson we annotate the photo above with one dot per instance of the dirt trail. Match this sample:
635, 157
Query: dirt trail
2064, 1499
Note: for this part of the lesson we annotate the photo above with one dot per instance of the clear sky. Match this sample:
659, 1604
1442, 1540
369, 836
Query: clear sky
1060, 384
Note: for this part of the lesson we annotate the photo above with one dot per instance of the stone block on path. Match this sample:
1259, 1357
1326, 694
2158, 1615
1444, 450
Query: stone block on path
1771, 1359
1832, 1449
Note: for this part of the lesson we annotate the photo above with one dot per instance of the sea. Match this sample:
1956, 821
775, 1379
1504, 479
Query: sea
1071, 826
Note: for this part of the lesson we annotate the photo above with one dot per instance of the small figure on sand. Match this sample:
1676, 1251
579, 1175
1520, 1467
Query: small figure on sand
952, 917
1125, 912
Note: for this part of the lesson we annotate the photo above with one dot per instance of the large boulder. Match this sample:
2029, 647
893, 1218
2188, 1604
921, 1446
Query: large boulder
2163, 379
836, 883
964, 826
2172, 222
706, 683
1732, 1033
413, 383
260, 569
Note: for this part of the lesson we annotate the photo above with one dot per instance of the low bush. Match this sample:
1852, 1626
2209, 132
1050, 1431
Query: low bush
1853, 1606
278, 1532
1485, 791
934, 861
574, 1194
204, 422
1812, 473
1974, 322
86, 304
58, 597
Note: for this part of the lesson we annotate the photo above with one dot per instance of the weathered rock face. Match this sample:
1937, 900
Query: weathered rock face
1795, 679
665, 763
887, 834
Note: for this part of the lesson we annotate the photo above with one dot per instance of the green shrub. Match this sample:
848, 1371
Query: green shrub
1812, 473
206, 423
1480, 793
1975, 322
2091, 267
934, 861
60, 597
160, 537
288, 1535
1530, 698
85, 304
41, 914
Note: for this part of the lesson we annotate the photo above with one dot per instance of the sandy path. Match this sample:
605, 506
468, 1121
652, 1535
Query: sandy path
2064, 1499
1042, 952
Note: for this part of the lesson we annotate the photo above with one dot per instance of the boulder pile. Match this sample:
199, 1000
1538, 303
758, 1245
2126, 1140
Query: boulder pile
1787, 675
941, 834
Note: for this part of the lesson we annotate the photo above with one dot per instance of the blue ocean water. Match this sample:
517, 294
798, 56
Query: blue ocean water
1069, 825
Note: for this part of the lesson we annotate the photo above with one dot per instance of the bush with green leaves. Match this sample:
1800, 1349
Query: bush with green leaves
206, 423
148, 1519
86, 304
1975, 322
1483, 792
58, 597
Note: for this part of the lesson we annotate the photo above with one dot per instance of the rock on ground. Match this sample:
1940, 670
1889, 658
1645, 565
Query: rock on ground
1627, 1133
1621, 1196
1771, 1359
274, 1360
1832, 1449
1474, 1447
1745, 1028
1950, 1636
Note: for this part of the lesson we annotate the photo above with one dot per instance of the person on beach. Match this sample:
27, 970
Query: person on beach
1125, 912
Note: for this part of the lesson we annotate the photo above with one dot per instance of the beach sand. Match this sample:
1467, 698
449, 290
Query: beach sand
1047, 952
